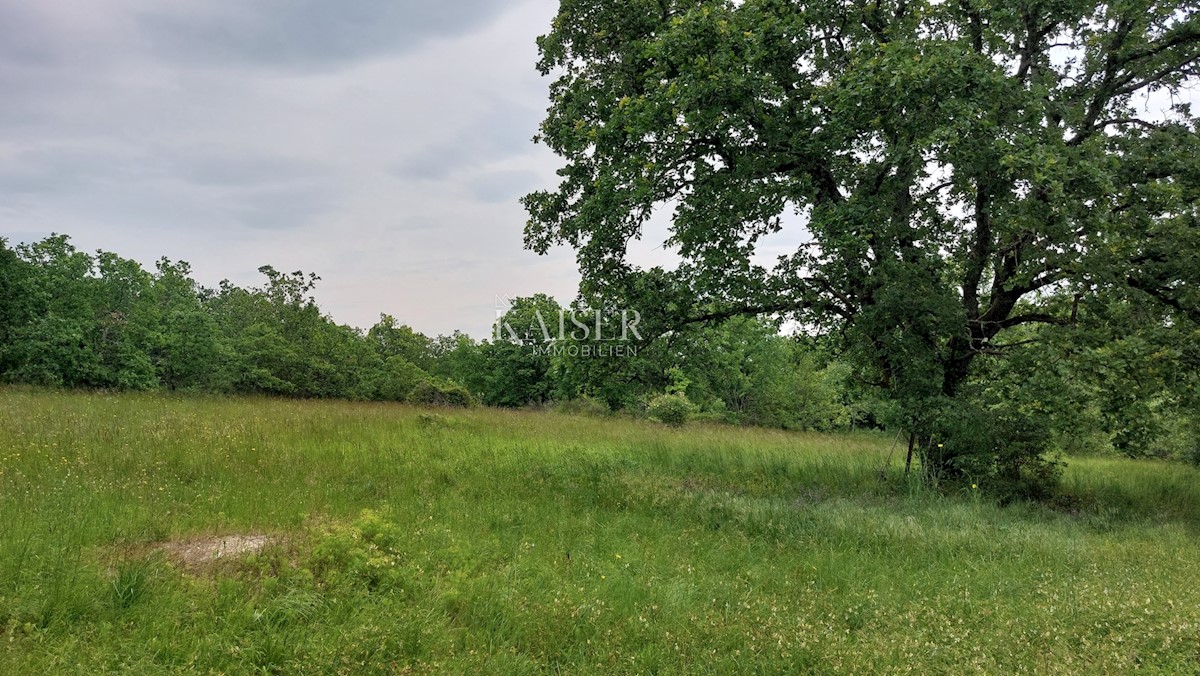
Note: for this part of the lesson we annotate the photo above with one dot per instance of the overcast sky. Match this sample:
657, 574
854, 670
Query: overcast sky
381, 144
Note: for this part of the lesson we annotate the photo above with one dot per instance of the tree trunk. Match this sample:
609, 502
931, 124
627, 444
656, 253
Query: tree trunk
936, 460
957, 366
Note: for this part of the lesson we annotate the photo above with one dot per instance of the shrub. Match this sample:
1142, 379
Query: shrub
801, 397
998, 445
671, 409
441, 393
365, 553
396, 380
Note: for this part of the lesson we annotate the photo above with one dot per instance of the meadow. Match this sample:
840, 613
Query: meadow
403, 540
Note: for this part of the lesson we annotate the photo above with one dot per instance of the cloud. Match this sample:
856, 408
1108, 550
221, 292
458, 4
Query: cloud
231, 168
25, 37
282, 208
50, 170
502, 128
307, 34
503, 186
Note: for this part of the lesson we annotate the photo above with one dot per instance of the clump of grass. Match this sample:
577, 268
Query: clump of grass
129, 583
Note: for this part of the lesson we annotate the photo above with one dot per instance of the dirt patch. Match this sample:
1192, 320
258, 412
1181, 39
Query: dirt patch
196, 553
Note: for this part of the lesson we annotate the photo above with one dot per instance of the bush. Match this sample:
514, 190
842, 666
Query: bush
363, 554
396, 380
671, 409
801, 397
1180, 439
441, 393
995, 444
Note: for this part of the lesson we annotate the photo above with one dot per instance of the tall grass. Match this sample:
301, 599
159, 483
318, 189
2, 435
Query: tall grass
514, 542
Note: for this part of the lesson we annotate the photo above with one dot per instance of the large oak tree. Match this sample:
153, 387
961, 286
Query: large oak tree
960, 171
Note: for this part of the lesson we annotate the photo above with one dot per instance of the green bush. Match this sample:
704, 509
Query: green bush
365, 553
441, 393
671, 409
396, 380
996, 445
799, 396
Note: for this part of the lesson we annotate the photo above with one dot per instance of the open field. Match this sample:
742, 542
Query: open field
514, 542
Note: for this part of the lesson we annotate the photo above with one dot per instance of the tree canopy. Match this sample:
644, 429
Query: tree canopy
961, 173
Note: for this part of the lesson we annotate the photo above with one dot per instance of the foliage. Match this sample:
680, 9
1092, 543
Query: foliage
671, 409
394, 340
997, 444
363, 553
434, 392
961, 171
515, 367
79, 320
102, 321
743, 369
187, 349
72, 319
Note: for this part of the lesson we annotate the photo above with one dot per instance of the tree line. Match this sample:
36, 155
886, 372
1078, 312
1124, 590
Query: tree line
73, 319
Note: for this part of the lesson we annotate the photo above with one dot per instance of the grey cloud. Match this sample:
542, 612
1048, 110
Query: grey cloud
506, 130
503, 186
234, 168
57, 170
49, 171
25, 37
309, 34
282, 208
27, 91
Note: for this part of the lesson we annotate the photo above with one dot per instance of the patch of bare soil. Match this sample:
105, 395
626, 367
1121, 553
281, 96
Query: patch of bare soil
197, 553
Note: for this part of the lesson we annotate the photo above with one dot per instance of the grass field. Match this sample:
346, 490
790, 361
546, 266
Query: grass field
514, 542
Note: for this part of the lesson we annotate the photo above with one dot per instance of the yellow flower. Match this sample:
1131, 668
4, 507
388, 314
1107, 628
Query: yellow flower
974, 486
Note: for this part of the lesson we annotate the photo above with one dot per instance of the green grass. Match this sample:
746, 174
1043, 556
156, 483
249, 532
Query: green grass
512, 542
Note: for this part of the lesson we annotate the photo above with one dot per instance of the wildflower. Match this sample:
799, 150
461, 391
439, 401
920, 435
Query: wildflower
974, 486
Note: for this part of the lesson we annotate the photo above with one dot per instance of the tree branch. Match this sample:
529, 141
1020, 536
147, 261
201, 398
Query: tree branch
1033, 318
1158, 293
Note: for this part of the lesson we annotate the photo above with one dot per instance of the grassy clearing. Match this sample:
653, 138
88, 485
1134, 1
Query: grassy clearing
510, 542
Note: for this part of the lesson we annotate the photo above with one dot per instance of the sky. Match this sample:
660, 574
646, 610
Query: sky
380, 144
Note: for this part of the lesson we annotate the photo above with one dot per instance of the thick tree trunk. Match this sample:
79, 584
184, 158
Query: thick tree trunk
936, 460
957, 366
